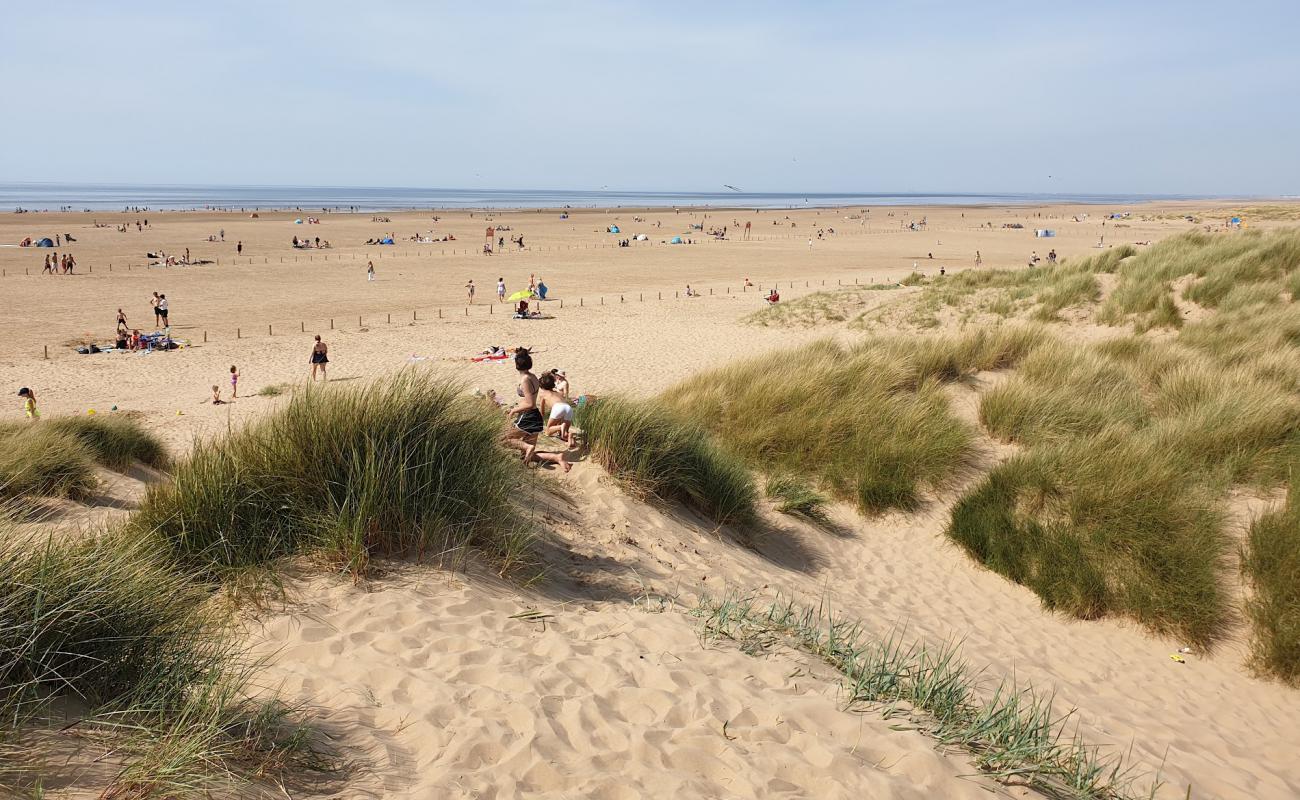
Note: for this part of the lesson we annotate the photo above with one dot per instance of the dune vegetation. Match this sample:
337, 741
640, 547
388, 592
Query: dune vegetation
124, 628
1116, 503
1113, 502
870, 422
793, 495
1011, 733
407, 465
832, 305
1271, 563
659, 453
99, 632
57, 457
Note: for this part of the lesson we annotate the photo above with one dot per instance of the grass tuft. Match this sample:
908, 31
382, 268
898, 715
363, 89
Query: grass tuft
116, 441
405, 465
794, 495
99, 629
871, 421
1271, 563
1101, 526
39, 460
663, 454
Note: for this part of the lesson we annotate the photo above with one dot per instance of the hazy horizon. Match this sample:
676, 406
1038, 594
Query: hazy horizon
907, 97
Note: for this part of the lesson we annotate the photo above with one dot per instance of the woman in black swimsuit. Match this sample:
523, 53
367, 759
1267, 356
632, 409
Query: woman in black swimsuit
527, 422
319, 358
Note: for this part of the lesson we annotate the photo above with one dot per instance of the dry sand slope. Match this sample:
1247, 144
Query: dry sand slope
435, 687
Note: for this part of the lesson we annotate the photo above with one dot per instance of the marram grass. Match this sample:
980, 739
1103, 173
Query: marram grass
1012, 733
663, 454
405, 465
870, 422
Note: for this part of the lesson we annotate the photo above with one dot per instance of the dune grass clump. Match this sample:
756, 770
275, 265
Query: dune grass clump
1226, 271
116, 441
1061, 391
404, 465
37, 460
1113, 509
827, 306
794, 495
871, 421
664, 454
1052, 288
100, 630
274, 389
1012, 733
1103, 526
102, 621
1270, 561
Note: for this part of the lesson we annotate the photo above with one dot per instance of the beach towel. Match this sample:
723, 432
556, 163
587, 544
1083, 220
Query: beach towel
501, 357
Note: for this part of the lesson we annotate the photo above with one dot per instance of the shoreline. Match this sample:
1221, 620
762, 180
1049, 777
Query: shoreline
24, 198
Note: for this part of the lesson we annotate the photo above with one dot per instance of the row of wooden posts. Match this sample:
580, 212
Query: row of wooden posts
415, 314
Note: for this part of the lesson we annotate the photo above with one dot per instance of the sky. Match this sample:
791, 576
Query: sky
1184, 97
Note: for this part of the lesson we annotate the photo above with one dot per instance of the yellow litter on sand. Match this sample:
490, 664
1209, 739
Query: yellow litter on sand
178, 412
90, 412
1178, 658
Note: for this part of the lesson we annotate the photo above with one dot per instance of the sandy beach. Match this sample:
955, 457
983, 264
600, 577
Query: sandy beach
439, 683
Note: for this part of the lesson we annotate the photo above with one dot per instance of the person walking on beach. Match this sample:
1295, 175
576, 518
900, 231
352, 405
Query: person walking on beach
239, 248
157, 315
501, 290
370, 271
978, 258
469, 290
29, 403
223, 234
319, 358
48, 268
234, 382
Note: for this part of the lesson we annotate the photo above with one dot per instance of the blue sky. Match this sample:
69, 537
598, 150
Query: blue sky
1156, 97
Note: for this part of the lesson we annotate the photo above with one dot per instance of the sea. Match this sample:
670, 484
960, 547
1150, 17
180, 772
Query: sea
120, 197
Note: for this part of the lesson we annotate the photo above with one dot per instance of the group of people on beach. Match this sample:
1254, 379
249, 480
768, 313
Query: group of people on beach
56, 264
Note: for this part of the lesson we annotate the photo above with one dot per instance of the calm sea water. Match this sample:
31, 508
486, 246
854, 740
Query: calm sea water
113, 197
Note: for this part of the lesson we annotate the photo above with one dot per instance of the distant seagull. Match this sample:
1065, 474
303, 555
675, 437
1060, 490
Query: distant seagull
732, 188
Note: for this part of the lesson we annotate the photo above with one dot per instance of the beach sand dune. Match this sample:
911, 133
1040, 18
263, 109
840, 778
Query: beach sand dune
433, 682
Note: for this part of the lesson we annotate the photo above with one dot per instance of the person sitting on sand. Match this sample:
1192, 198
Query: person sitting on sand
29, 403
216, 396
319, 358
527, 422
774, 297
556, 408
521, 310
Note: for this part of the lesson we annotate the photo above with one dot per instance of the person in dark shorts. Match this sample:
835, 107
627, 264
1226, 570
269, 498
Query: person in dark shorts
527, 420
319, 358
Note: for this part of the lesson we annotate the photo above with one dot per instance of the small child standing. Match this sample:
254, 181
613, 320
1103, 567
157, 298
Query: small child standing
370, 271
29, 403
234, 382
